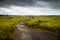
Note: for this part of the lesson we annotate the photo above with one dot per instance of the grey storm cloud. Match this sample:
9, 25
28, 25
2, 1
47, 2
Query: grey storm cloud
39, 3
30, 7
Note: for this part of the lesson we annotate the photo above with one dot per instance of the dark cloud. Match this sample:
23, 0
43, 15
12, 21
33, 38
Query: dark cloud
49, 0
26, 1
53, 3
30, 7
1, 0
42, 3
17, 2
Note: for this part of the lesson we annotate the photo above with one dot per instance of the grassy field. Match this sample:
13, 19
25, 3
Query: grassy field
50, 23
7, 25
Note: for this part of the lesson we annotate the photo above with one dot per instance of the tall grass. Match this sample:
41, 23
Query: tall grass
51, 23
7, 25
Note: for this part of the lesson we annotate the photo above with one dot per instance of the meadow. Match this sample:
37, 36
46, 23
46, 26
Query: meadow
49, 23
7, 25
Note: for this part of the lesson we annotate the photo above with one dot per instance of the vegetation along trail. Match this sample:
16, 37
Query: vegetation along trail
31, 34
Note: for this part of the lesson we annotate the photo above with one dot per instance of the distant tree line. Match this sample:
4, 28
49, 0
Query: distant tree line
4, 15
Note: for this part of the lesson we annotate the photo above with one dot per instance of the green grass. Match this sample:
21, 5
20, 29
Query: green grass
7, 25
50, 23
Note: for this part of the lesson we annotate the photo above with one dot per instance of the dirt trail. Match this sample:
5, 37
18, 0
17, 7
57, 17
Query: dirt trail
30, 34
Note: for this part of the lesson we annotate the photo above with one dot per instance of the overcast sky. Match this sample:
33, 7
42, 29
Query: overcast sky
30, 7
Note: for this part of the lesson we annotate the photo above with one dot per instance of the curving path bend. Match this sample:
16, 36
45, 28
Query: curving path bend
30, 34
